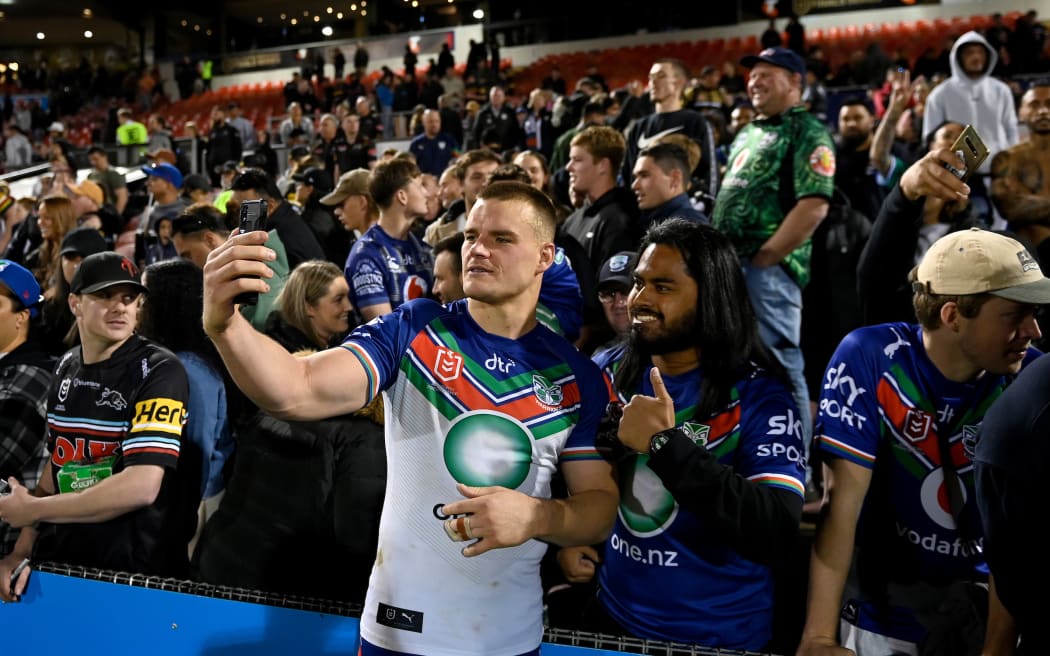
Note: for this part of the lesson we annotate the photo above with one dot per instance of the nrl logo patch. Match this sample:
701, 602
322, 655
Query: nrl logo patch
916, 425
548, 393
697, 432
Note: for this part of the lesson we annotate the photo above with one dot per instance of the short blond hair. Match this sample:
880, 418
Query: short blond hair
603, 142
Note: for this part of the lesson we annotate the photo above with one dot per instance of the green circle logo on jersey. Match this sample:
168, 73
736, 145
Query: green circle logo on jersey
485, 448
646, 507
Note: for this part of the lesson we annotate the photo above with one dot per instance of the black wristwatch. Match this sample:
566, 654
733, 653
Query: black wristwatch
657, 442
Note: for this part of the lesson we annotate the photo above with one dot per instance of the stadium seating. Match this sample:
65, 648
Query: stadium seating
621, 65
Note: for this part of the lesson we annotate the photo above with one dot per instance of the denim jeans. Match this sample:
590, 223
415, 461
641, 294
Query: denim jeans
777, 300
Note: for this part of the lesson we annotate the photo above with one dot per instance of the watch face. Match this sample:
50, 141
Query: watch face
657, 443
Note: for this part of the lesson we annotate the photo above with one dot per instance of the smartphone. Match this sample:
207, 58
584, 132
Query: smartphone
970, 149
17, 573
253, 217
5, 489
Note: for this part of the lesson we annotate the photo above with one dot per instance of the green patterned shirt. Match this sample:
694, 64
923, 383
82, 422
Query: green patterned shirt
774, 163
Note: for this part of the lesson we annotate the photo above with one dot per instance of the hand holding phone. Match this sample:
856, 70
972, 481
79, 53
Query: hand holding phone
252, 218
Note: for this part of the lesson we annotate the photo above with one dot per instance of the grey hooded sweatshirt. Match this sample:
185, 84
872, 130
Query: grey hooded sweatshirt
985, 103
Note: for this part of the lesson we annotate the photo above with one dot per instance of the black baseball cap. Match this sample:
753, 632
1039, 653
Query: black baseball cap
618, 269
315, 177
196, 181
83, 242
103, 270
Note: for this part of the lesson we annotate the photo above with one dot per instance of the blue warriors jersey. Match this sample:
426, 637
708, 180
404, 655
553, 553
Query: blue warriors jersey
561, 303
381, 269
664, 574
883, 405
465, 406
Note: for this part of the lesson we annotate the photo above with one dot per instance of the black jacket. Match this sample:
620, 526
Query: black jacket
299, 241
301, 511
606, 226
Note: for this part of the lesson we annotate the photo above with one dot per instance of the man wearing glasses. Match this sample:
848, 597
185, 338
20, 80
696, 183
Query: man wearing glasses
614, 284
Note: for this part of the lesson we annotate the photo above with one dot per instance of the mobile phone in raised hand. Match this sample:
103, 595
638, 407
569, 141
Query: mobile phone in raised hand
971, 150
253, 217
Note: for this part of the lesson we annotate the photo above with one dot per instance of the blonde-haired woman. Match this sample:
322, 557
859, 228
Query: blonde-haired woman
313, 309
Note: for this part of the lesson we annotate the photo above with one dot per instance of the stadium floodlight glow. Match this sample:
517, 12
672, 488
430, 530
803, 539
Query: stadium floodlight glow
326, 30
479, 13
88, 34
41, 36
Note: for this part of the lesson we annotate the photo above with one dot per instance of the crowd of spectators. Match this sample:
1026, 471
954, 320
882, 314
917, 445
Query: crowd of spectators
816, 246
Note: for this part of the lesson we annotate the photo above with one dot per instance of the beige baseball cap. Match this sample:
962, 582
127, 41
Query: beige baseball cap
351, 183
977, 261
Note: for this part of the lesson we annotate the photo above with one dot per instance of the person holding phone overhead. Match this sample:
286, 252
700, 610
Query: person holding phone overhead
928, 202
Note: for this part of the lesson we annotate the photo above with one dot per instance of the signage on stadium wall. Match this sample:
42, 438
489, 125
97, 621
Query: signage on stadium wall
755, 9
251, 61
425, 44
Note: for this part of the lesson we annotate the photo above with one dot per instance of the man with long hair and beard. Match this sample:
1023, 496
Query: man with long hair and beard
712, 475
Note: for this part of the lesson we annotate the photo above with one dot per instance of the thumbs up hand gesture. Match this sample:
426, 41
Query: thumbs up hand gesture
645, 416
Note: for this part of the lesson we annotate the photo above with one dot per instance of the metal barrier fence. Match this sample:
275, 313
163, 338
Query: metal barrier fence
170, 616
